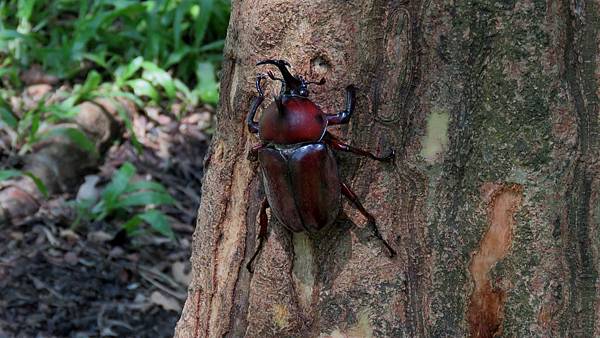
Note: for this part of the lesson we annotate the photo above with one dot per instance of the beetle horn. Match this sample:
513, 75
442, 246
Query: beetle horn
280, 107
291, 82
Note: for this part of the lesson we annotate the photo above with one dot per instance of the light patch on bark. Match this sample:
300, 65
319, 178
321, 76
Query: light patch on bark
485, 312
235, 78
303, 271
435, 140
281, 316
362, 329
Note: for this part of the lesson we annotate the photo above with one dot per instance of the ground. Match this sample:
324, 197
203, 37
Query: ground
60, 281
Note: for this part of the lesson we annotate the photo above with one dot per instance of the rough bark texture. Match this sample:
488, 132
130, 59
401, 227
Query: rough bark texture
493, 202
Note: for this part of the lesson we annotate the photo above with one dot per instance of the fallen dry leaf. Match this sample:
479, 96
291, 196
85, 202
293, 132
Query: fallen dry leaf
99, 237
178, 272
166, 302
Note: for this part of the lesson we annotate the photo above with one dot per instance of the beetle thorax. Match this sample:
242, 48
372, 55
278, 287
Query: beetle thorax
295, 120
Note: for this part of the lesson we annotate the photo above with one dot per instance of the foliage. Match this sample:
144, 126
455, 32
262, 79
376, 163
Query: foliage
172, 45
12, 173
69, 37
147, 51
123, 197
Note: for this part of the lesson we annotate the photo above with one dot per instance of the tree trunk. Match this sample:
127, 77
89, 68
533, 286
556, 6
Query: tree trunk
493, 200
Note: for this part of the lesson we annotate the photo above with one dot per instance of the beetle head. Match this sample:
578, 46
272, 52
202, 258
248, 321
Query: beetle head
291, 84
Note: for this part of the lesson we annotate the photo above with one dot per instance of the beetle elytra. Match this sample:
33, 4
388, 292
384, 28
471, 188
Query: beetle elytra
299, 172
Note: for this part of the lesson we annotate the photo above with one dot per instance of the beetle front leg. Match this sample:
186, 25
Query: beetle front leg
370, 219
252, 125
262, 233
337, 144
253, 153
343, 117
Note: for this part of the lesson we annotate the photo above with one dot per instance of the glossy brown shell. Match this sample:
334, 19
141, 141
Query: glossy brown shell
299, 121
302, 185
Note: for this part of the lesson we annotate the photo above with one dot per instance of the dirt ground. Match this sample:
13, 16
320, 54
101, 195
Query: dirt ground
92, 281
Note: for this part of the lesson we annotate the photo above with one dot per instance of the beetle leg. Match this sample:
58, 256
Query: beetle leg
252, 125
262, 233
343, 117
253, 153
370, 219
337, 144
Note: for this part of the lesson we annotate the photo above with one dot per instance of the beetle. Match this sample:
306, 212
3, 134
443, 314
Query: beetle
299, 171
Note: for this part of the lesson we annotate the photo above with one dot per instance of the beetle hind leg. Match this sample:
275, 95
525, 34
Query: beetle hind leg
337, 144
262, 233
370, 219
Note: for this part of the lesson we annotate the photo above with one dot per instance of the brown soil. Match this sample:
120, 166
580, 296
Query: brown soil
91, 281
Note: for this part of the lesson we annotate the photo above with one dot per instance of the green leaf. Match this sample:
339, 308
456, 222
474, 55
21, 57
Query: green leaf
8, 118
124, 73
35, 125
144, 88
202, 20
177, 56
38, 183
127, 95
187, 93
129, 125
158, 221
132, 224
207, 85
118, 185
146, 185
91, 83
9, 34
144, 198
98, 58
75, 135
159, 77
178, 21
64, 110
25, 9
9, 173
213, 46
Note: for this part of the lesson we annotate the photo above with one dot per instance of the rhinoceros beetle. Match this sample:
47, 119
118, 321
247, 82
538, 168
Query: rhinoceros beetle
300, 173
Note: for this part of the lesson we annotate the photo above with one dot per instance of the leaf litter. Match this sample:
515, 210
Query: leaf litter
62, 281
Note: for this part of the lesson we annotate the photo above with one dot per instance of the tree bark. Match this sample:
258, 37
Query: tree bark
493, 200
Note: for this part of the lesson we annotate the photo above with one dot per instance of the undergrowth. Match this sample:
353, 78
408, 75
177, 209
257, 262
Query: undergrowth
152, 52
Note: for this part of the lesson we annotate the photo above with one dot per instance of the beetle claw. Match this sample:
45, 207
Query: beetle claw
390, 251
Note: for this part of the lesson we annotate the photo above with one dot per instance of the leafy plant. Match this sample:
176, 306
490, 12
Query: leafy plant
123, 198
66, 36
27, 128
12, 173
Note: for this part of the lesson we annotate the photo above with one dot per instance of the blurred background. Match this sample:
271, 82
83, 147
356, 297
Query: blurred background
106, 111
